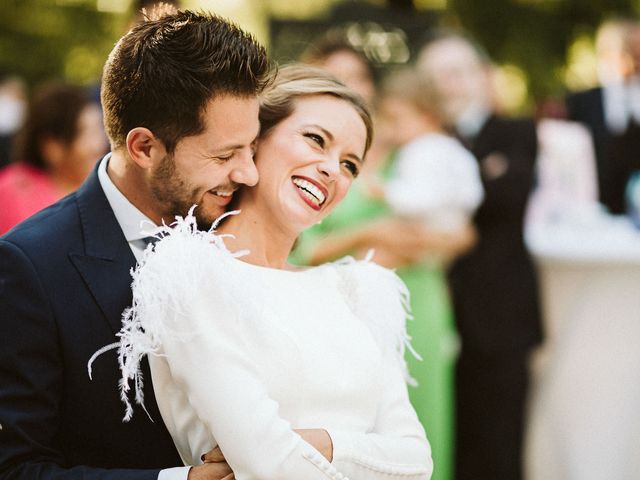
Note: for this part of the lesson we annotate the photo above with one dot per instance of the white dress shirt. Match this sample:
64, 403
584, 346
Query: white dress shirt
621, 102
133, 223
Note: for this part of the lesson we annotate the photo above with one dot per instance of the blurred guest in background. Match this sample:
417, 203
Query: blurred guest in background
435, 182
13, 100
611, 111
494, 287
336, 55
61, 140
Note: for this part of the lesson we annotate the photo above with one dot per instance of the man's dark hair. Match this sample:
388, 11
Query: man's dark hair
163, 72
53, 114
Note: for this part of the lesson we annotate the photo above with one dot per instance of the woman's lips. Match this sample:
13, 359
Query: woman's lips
313, 193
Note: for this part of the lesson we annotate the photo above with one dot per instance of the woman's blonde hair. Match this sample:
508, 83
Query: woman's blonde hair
295, 81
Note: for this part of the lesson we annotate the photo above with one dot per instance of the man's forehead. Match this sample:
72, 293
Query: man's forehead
228, 114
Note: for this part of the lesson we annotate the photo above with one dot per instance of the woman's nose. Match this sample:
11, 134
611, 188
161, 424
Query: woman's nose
329, 167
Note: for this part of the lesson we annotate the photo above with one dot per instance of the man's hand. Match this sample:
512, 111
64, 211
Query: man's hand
215, 467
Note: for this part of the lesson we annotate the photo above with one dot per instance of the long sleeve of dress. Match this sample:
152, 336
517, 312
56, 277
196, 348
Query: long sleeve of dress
397, 446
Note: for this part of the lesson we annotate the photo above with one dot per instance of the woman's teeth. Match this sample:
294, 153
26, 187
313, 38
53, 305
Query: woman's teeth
310, 191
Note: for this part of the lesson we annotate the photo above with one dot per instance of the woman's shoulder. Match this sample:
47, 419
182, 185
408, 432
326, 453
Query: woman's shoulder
378, 297
184, 263
182, 246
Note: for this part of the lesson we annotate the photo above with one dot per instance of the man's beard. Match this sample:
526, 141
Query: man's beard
176, 196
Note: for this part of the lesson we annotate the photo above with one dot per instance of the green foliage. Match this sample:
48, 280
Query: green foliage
54, 39
535, 34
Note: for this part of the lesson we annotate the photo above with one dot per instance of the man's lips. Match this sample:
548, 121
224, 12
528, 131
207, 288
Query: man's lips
222, 197
312, 192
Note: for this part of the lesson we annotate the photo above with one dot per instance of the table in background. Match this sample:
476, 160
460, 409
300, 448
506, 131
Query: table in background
584, 421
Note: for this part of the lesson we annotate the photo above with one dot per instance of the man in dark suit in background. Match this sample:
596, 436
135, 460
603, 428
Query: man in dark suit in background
179, 95
494, 288
611, 111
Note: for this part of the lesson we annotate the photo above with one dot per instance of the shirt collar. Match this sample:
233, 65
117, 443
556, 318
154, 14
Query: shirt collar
133, 222
471, 121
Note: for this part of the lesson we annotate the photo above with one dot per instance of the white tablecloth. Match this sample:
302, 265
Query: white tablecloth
584, 421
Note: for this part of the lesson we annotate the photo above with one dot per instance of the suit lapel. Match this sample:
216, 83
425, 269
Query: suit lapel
107, 260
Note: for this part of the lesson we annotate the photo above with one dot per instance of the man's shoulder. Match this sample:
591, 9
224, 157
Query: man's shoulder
510, 129
582, 102
584, 95
513, 123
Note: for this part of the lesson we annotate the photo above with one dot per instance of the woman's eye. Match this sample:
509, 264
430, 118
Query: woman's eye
316, 138
351, 167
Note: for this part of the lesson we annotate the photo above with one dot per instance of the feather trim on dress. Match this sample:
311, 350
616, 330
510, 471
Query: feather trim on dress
155, 279
380, 297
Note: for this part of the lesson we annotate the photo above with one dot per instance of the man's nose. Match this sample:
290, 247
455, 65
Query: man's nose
245, 171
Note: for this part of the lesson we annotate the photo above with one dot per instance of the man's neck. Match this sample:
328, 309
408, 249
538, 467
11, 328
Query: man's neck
128, 179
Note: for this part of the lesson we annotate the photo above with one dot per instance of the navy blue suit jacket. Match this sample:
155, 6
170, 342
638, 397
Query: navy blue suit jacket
64, 282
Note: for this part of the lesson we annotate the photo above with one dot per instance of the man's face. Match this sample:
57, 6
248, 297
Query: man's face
206, 169
458, 74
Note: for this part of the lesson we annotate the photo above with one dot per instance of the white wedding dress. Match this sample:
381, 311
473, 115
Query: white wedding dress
241, 355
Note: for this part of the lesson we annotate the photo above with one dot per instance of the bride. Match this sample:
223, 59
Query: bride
251, 355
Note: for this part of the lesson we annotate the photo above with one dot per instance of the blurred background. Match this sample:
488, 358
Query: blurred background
542, 47
528, 317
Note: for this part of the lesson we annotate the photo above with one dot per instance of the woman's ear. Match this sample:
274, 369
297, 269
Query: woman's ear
144, 148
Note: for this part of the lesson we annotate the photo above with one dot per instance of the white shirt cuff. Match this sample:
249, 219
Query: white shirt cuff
176, 473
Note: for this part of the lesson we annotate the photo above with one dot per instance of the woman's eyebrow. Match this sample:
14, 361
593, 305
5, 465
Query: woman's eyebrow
322, 129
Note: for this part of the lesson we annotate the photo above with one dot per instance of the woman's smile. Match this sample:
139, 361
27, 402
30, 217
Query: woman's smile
312, 192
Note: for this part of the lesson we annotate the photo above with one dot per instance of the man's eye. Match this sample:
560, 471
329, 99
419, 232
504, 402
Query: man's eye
351, 167
316, 138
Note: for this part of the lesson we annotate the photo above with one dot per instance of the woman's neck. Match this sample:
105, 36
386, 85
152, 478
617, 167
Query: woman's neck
267, 243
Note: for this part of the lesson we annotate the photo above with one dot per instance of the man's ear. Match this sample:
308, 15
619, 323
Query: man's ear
144, 148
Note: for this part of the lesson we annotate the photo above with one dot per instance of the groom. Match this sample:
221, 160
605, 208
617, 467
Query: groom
180, 104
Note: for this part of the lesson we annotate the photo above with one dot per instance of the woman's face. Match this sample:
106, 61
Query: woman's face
308, 161
89, 144
351, 70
